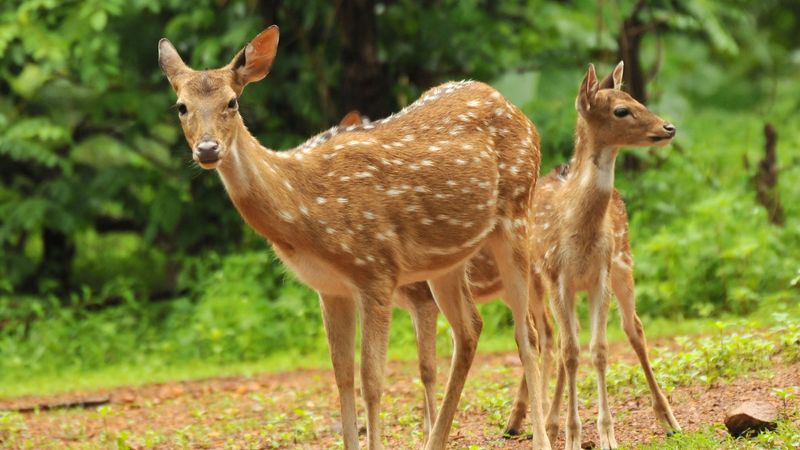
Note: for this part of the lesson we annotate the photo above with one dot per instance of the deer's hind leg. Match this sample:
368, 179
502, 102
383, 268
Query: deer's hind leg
376, 316
510, 250
424, 313
623, 286
454, 299
544, 327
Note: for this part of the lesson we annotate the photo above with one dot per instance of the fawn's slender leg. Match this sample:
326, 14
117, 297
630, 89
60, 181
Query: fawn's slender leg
564, 310
623, 287
339, 316
376, 316
511, 253
452, 294
598, 319
423, 315
558, 396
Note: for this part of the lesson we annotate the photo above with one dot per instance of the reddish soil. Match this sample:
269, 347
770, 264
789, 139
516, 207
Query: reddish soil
299, 409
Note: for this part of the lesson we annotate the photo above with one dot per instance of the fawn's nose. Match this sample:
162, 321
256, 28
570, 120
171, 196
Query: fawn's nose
670, 129
207, 151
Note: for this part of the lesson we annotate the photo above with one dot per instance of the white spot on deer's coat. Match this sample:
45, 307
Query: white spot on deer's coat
394, 192
426, 162
288, 185
303, 210
368, 215
426, 221
342, 200
344, 178
338, 146
451, 183
286, 216
412, 208
474, 103
460, 162
330, 230
321, 200
421, 189
360, 262
434, 148
363, 175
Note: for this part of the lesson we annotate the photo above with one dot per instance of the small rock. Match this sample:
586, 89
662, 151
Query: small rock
751, 417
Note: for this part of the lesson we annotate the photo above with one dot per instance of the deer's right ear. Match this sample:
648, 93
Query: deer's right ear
587, 91
254, 61
170, 61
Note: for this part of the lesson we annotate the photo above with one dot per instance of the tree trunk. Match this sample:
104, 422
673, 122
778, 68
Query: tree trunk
766, 178
629, 44
56, 265
365, 84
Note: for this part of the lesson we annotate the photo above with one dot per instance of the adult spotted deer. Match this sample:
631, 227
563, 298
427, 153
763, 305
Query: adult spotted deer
580, 243
359, 211
485, 285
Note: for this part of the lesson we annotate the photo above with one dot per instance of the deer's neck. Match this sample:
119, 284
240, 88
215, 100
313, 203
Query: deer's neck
259, 183
591, 181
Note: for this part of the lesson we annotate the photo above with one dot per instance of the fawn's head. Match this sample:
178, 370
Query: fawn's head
615, 119
208, 104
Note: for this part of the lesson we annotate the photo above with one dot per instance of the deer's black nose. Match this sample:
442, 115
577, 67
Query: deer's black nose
670, 129
207, 151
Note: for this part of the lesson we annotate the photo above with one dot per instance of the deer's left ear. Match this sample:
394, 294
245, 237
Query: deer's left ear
614, 79
170, 61
253, 62
587, 91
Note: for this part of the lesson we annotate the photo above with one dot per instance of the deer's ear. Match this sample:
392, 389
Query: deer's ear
253, 62
614, 79
352, 118
587, 91
170, 61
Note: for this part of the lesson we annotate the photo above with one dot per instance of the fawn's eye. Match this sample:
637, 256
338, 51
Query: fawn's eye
182, 108
621, 112
232, 104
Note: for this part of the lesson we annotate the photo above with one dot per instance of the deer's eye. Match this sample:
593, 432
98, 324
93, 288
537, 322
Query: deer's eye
621, 111
233, 103
182, 108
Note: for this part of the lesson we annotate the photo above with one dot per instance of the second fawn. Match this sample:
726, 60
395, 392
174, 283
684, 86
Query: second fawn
580, 243
359, 211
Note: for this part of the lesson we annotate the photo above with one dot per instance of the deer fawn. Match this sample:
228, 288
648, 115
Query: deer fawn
580, 243
359, 211
485, 285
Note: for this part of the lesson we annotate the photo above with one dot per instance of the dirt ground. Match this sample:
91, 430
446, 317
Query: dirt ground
299, 409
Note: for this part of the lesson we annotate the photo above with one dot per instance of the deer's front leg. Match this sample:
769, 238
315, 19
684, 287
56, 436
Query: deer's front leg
453, 297
598, 318
376, 316
339, 316
564, 309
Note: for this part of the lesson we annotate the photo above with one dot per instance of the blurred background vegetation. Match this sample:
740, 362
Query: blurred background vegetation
116, 251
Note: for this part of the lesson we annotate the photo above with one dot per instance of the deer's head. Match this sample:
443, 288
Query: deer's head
614, 118
208, 104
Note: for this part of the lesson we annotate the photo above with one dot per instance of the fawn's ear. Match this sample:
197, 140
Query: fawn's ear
170, 61
253, 62
352, 118
587, 91
614, 79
